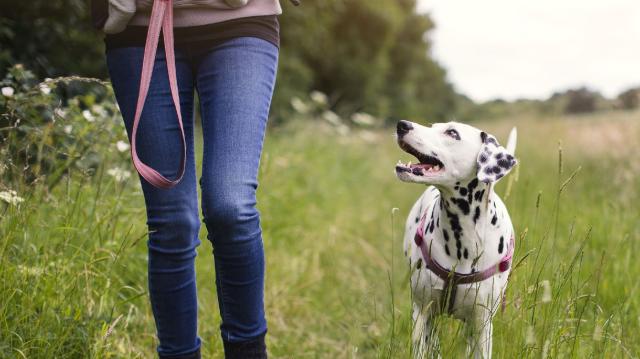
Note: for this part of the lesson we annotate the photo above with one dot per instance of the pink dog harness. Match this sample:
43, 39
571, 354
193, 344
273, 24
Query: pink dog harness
453, 279
161, 18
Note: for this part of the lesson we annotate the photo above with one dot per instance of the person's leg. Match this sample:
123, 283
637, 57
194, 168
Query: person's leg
235, 83
172, 214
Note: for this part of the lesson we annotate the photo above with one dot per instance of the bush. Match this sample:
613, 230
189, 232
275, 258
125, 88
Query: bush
55, 127
581, 100
630, 99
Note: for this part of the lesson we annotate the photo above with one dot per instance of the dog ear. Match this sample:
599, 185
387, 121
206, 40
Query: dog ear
494, 161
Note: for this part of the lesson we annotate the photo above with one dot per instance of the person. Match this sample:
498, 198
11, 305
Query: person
229, 57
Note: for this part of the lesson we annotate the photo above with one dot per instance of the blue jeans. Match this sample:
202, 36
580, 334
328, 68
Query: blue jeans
235, 83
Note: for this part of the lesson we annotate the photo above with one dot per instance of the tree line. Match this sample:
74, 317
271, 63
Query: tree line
367, 55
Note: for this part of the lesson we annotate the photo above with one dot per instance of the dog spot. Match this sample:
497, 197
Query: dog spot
454, 222
504, 163
466, 254
499, 155
463, 205
483, 136
419, 264
456, 187
446, 250
446, 235
501, 245
494, 220
438, 222
478, 195
472, 185
417, 219
496, 169
458, 244
476, 215
463, 191
431, 226
459, 254
483, 158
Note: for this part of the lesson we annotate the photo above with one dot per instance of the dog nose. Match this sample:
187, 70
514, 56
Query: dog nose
403, 128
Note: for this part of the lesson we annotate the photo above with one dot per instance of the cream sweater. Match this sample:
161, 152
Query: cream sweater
203, 12
187, 12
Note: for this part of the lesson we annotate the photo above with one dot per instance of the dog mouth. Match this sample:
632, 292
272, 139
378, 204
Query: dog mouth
427, 165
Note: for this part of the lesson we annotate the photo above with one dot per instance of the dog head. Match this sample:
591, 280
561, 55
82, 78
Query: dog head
451, 152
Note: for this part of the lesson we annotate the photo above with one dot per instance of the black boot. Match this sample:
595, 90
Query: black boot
253, 349
194, 355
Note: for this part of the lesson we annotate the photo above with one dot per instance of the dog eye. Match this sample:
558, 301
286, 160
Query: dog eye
452, 133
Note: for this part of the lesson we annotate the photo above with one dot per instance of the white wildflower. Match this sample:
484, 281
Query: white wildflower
122, 146
99, 110
67, 129
299, 105
33, 271
546, 291
119, 174
7, 91
331, 117
368, 136
319, 97
530, 338
11, 197
597, 332
88, 116
545, 349
60, 112
44, 88
363, 119
343, 130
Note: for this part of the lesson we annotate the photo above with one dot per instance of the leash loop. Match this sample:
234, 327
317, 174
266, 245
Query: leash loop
161, 19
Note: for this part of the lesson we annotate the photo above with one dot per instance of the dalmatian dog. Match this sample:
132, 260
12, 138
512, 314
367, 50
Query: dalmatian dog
459, 240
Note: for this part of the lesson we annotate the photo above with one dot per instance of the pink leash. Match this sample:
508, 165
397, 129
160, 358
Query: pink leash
161, 18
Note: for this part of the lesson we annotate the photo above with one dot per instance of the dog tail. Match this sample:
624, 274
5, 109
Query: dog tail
511, 142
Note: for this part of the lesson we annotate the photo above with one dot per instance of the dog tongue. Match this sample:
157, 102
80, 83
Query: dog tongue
424, 166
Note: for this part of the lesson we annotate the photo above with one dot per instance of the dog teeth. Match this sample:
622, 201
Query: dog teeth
409, 164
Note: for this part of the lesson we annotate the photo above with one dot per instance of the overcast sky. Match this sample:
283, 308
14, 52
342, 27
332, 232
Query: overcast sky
518, 48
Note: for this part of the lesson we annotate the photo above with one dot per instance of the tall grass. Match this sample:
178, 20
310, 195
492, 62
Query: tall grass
73, 260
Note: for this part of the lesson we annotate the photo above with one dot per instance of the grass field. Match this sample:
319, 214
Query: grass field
73, 261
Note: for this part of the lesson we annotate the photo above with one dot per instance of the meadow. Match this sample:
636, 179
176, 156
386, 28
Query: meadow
73, 259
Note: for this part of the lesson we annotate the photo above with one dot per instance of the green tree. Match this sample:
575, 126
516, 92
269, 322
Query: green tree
50, 37
367, 55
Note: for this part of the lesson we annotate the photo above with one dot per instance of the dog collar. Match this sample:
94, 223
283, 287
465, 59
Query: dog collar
453, 277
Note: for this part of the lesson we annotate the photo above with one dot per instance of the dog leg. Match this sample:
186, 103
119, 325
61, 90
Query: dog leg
425, 340
480, 337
